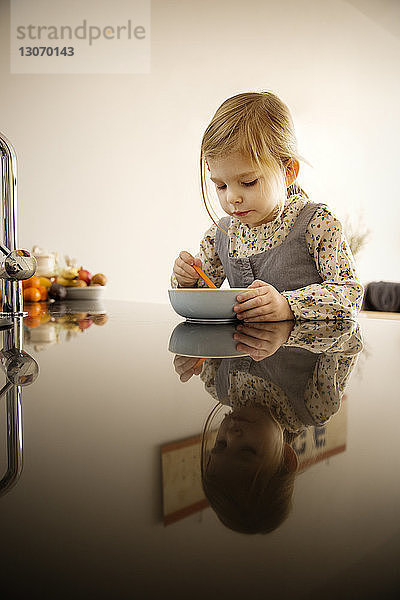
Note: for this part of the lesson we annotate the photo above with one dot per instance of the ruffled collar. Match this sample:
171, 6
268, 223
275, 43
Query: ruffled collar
293, 206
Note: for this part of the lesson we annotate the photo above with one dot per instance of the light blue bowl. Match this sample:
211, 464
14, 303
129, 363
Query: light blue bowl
205, 304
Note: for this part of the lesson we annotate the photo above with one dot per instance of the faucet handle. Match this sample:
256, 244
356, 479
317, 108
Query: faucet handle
17, 265
19, 366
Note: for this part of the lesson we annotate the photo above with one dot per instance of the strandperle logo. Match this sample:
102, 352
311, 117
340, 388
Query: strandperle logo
63, 37
85, 31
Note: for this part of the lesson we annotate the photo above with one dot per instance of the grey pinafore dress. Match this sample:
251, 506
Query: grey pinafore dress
288, 266
289, 368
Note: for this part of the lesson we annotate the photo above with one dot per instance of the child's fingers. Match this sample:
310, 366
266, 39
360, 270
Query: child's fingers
183, 269
192, 367
256, 343
262, 318
258, 283
186, 257
260, 331
254, 353
253, 292
184, 362
259, 302
262, 313
244, 348
243, 296
247, 340
185, 366
185, 273
264, 330
186, 376
180, 367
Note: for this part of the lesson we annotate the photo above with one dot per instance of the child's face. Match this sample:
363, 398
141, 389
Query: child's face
239, 190
247, 438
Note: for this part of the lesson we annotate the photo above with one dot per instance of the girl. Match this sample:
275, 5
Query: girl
249, 467
288, 251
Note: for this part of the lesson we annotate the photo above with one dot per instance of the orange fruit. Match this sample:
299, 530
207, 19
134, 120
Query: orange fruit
32, 294
43, 292
44, 309
31, 282
34, 309
45, 281
32, 322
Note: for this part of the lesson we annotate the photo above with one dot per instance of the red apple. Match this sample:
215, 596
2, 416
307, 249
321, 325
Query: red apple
85, 276
85, 324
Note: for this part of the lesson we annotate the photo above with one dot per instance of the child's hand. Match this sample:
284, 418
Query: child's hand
183, 269
262, 302
262, 339
186, 366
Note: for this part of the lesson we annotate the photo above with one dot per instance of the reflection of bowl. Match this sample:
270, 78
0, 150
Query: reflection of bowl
203, 340
204, 304
83, 305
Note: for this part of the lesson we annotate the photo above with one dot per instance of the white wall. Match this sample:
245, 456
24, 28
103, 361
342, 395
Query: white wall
108, 164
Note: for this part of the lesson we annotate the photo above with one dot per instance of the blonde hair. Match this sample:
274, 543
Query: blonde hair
253, 503
260, 127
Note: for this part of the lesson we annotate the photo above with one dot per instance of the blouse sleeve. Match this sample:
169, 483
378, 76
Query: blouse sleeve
210, 261
325, 389
340, 294
322, 336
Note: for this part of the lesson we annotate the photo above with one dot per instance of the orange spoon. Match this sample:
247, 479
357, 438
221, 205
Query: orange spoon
199, 362
204, 277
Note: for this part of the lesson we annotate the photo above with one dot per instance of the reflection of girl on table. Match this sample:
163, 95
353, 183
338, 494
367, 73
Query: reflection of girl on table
290, 253
248, 475
301, 383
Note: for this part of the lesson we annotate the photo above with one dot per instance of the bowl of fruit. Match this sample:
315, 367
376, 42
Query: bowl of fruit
71, 283
79, 284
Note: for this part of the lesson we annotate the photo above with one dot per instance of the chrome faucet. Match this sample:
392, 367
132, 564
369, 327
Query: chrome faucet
15, 264
21, 370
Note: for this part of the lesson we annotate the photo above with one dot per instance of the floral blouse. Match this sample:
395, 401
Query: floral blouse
338, 351
340, 293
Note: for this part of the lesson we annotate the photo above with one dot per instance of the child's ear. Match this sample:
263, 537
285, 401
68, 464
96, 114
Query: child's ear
292, 170
290, 459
